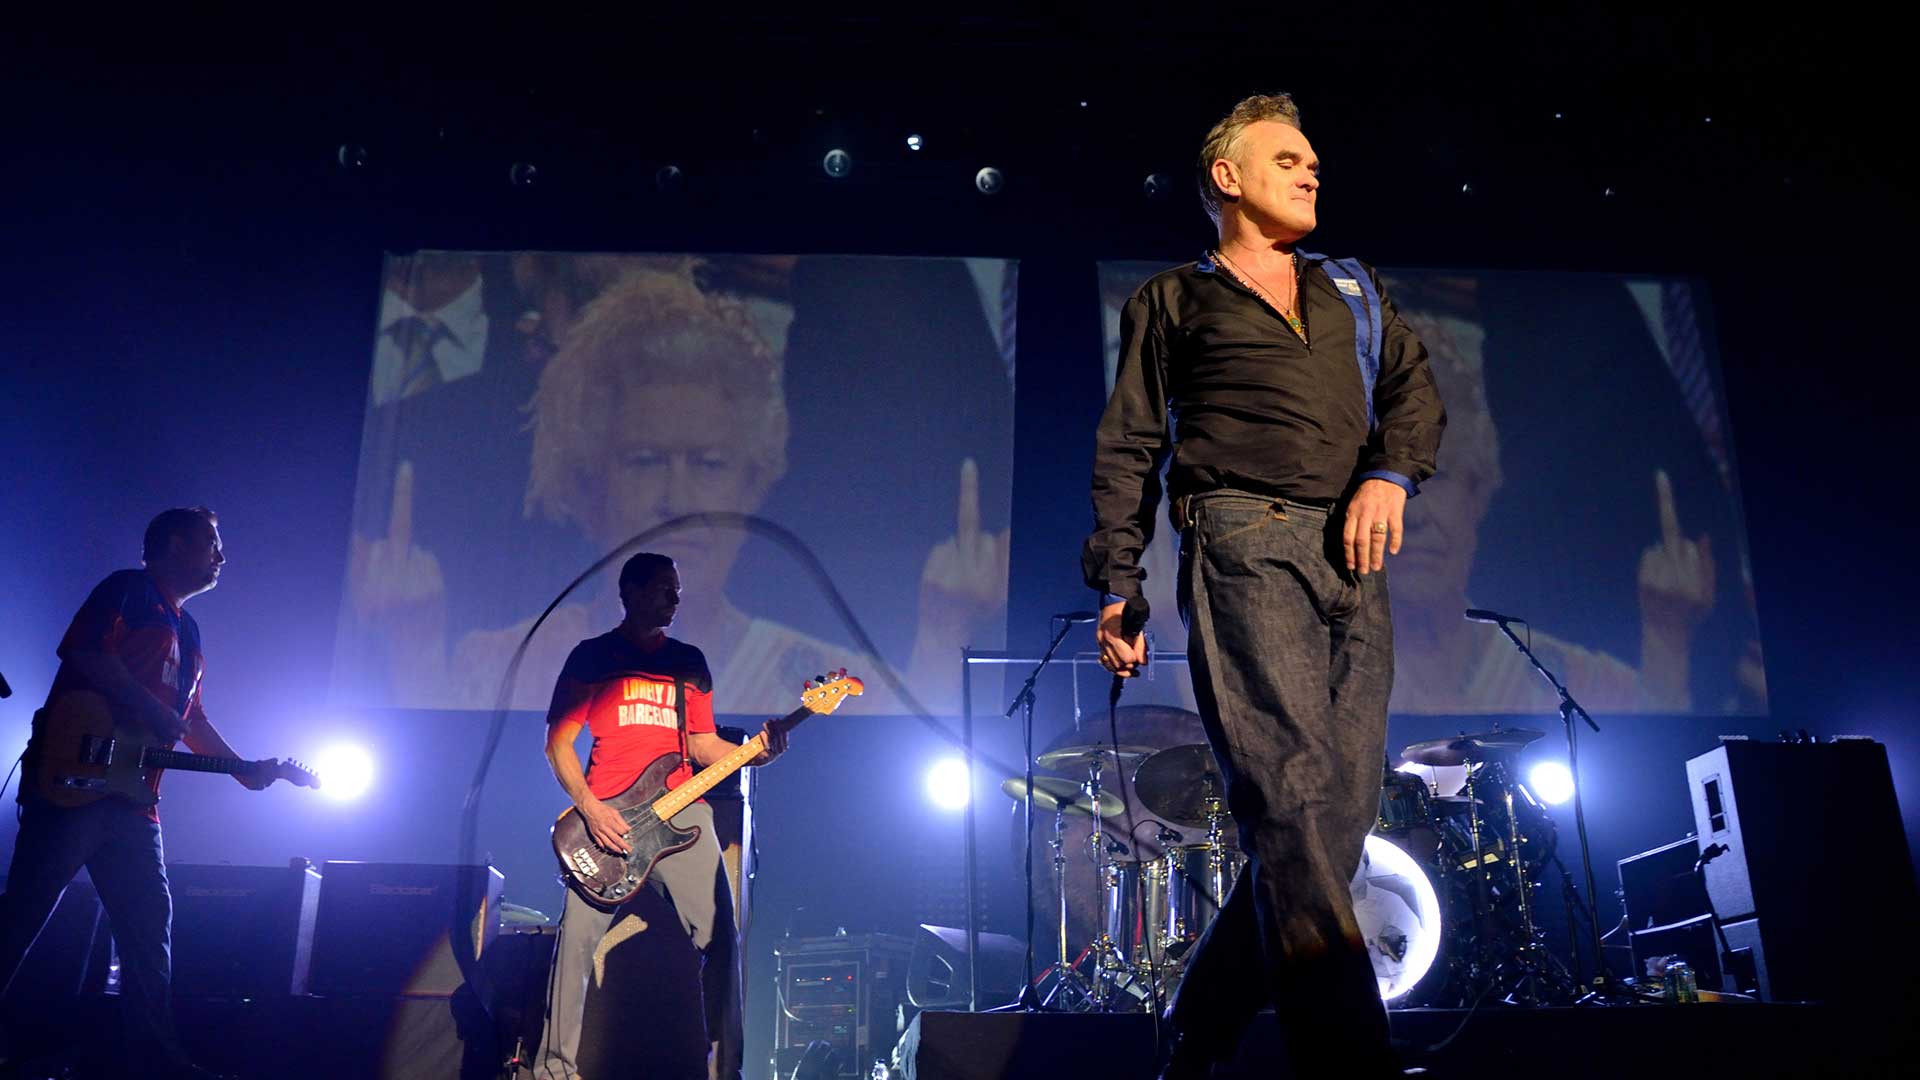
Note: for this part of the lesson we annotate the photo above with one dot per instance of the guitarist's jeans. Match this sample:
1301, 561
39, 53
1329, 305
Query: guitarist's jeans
120, 847
702, 896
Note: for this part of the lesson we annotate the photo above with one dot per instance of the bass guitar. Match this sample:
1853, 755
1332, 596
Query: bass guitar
607, 879
87, 753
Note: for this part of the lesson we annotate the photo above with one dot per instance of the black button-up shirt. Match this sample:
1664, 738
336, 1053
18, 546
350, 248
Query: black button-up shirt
1252, 407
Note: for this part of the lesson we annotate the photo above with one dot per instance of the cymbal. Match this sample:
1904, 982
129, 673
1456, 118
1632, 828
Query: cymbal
1461, 749
1077, 758
1053, 793
1176, 783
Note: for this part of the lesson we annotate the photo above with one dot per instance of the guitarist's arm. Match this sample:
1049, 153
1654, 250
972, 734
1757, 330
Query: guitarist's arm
203, 738
106, 673
565, 719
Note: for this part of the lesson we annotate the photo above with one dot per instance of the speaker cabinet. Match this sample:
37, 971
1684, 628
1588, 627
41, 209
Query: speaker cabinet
242, 931
382, 928
1815, 862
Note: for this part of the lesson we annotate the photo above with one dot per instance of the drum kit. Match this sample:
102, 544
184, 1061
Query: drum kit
1445, 896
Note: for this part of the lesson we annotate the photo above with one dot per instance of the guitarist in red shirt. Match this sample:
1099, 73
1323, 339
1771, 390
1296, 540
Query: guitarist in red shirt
133, 645
643, 695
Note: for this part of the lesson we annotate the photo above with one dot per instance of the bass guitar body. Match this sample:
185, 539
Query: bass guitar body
607, 879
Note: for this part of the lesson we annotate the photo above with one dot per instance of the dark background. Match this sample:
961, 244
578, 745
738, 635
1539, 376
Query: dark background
190, 281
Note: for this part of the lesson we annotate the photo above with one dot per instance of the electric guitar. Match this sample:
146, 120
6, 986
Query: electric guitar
87, 753
607, 879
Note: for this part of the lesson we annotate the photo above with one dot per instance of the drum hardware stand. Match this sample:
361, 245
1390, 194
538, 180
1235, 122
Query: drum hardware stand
1068, 983
1605, 989
1029, 997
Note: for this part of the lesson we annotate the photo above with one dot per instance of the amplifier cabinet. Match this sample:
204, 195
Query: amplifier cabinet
382, 928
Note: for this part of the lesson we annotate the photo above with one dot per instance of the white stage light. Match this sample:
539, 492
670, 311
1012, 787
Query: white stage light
947, 784
345, 771
1552, 782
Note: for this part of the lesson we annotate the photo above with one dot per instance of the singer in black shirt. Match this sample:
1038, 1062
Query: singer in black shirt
1300, 414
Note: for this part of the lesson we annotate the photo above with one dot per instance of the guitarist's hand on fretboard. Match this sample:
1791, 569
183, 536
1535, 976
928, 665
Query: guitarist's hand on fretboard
776, 737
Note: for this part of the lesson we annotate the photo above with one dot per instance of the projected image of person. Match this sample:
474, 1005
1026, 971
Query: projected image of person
1303, 415
666, 397
643, 695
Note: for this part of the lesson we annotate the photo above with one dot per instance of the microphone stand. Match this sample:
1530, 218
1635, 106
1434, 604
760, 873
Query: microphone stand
1029, 997
1604, 985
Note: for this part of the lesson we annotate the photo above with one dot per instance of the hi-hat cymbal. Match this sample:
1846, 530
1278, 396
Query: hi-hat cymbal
1177, 784
1078, 758
1053, 793
1461, 749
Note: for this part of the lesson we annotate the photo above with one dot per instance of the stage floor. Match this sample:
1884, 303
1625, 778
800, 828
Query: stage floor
428, 1039
1725, 1040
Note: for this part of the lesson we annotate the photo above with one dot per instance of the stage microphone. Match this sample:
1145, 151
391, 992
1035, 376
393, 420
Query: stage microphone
1133, 620
1078, 616
1483, 615
1712, 852
5, 690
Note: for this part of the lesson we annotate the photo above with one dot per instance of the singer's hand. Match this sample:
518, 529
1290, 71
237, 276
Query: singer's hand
1117, 654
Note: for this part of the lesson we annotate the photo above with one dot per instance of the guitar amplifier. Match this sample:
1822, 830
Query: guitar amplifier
243, 931
382, 928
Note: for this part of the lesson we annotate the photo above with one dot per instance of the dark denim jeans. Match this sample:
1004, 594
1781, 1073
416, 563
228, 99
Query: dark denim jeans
1292, 661
121, 849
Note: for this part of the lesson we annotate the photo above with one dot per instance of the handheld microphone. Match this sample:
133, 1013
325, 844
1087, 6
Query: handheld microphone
1483, 615
1078, 616
1133, 620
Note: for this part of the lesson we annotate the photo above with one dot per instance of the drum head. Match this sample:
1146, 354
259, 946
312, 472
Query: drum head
1399, 916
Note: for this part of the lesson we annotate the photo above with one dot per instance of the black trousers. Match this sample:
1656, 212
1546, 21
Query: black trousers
1292, 661
121, 850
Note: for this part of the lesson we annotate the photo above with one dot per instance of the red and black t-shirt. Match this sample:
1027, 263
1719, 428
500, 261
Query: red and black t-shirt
634, 700
128, 616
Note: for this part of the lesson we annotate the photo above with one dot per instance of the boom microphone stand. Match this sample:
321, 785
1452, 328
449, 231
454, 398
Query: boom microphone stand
1604, 986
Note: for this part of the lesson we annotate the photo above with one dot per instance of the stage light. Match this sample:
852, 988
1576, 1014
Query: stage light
345, 770
352, 156
989, 180
1551, 781
1466, 189
914, 142
1157, 185
947, 784
523, 174
669, 178
837, 164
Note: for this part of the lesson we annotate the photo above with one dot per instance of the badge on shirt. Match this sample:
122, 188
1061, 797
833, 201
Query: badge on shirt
1347, 285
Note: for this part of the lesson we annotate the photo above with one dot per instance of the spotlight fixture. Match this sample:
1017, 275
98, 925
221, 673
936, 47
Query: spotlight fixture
837, 164
352, 156
523, 174
915, 142
947, 784
1157, 185
1551, 781
989, 180
669, 178
1466, 189
345, 771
